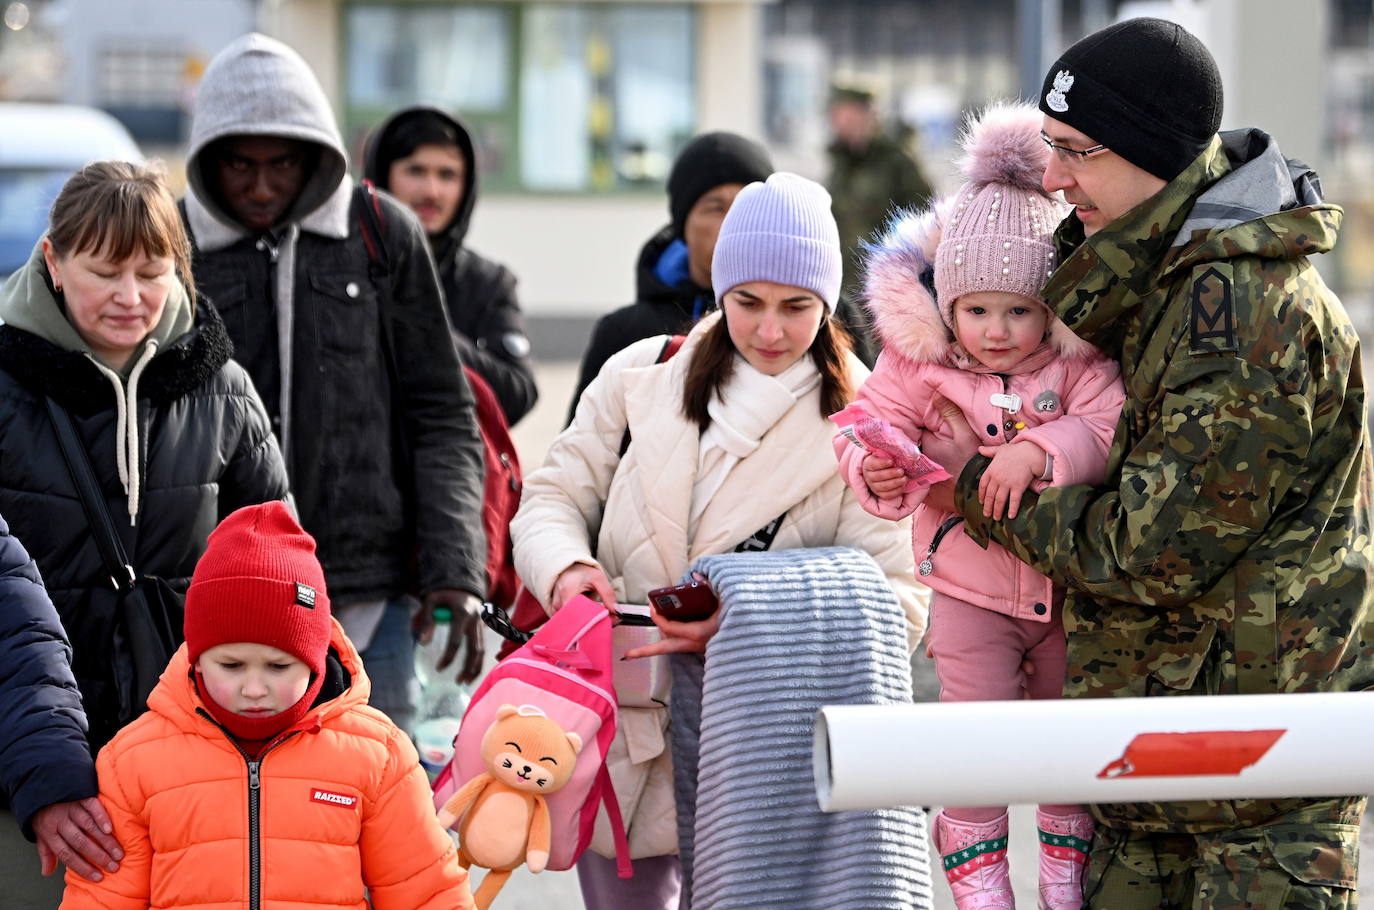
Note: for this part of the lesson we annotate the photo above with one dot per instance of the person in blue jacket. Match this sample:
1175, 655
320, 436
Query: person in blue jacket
47, 774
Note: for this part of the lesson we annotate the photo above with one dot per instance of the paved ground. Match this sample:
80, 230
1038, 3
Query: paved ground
559, 889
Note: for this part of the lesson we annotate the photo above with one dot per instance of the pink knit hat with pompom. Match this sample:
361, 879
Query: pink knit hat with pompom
1001, 223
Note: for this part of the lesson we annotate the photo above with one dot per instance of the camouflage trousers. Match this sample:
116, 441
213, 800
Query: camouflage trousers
1307, 859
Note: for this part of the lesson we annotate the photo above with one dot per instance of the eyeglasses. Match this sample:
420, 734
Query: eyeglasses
1070, 156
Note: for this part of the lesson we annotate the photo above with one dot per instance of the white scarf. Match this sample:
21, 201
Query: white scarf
750, 404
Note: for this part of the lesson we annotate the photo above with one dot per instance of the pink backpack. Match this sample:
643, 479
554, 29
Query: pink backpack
565, 670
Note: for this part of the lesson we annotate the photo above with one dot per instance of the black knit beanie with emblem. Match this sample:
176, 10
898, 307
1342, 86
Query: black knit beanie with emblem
708, 161
1146, 88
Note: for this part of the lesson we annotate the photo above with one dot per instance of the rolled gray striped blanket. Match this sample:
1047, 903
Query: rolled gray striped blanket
799, 629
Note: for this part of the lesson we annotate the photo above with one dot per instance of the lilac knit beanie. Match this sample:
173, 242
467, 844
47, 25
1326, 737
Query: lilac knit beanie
999, 235
780, 230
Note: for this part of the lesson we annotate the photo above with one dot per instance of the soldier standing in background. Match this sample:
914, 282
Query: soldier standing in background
1228, 551
870, 174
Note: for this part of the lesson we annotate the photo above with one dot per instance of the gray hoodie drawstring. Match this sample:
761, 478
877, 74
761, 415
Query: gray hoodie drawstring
127, 447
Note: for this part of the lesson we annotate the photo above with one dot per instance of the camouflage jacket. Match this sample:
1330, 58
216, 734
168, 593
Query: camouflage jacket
866, 186
1228, 549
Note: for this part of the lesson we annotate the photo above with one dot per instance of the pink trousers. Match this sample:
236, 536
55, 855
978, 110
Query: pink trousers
979, 654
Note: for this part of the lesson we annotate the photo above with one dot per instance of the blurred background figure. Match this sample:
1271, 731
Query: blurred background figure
424, 158
870, 174
673, 273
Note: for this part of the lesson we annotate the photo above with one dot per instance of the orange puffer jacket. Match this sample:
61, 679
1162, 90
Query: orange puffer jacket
338, 805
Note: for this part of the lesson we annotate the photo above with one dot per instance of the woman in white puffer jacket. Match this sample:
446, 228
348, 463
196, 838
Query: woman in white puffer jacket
726, 436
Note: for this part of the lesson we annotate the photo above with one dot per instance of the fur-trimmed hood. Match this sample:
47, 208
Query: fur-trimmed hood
1002, 163
899, 287
73, 379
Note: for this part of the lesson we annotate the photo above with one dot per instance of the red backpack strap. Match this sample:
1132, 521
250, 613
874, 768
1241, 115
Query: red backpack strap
624, 869
671, 347
371, 224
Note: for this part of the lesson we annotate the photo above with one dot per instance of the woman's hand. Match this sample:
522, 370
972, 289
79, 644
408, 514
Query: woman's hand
883, 480
678, 637
580, 578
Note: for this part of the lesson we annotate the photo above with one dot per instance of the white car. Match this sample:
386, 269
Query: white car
41, 145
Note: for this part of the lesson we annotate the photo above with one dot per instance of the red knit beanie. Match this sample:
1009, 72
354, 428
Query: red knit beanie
260, 582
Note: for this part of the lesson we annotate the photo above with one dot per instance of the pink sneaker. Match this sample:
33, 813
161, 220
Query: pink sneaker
975, 861
1064, 844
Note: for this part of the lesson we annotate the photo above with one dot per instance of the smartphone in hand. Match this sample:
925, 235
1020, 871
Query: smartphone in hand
691, 602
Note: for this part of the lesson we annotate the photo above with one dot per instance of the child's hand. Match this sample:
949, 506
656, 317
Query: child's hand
882, 478
1014, 467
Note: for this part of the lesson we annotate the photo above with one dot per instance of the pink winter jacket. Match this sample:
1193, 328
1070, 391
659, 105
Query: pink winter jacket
1069, 407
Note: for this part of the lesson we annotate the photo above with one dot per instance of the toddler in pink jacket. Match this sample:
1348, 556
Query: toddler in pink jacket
972, 357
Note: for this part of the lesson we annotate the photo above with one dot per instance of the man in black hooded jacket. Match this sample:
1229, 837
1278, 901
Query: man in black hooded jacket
425, 158
673, 273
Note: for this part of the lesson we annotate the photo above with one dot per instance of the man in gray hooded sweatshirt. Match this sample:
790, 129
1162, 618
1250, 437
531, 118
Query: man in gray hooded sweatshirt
341, 323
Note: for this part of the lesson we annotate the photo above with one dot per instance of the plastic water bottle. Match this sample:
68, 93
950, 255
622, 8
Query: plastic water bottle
443, 700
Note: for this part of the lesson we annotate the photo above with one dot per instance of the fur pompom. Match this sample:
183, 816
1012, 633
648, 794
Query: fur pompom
1003, 145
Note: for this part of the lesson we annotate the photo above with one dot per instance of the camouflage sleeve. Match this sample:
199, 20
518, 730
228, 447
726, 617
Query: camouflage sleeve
1219, 450
912, 189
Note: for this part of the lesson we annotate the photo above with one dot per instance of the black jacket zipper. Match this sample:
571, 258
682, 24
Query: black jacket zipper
254, 809
254, 835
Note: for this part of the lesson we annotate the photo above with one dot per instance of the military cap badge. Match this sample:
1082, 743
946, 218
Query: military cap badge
1054, 98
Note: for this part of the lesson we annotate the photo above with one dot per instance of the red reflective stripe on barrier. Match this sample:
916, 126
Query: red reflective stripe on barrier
1188, 754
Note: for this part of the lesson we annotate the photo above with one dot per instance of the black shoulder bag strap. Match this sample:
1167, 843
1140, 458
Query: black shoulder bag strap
107, 538
149, 610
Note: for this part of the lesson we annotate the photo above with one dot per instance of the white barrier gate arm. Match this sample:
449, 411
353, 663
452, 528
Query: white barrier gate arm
1095, 750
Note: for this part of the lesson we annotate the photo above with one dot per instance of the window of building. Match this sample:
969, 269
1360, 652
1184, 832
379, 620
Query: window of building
560, 97
144, 87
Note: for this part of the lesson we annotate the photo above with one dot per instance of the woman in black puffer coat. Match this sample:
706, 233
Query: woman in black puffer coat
103, 319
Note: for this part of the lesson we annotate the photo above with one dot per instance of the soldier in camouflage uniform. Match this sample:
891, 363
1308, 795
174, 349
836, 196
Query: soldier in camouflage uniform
1229, 549
870, 175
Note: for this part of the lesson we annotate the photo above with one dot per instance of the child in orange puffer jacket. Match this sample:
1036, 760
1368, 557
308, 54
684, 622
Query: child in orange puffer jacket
259, 777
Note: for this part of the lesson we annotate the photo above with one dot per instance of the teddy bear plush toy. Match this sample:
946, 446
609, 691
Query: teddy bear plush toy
504, 814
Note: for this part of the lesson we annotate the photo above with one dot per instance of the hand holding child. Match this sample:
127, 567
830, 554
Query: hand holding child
1014, 468
79, 835
885, 480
